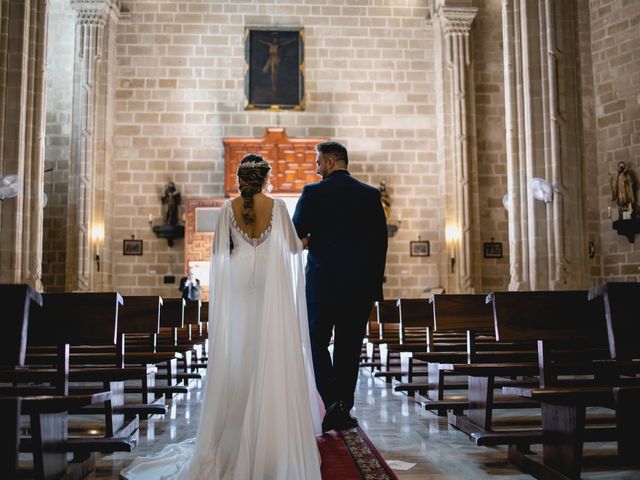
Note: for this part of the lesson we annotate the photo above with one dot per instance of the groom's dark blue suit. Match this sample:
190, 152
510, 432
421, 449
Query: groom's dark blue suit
346, 226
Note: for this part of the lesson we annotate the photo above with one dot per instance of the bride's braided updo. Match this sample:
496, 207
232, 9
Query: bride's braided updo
253, 176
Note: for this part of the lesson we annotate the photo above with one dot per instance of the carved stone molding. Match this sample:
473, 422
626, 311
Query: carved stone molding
459, 142
94, 12
88, 105
456, 20
23, 37
543, 126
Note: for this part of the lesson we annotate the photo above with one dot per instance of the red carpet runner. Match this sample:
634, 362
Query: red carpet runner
350, 455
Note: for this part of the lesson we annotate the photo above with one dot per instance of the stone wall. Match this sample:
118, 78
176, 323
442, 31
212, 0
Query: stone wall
60, 58
615, 48
589, 147
489, 108
369, 84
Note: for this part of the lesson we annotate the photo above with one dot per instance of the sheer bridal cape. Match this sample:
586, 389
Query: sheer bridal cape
260, 412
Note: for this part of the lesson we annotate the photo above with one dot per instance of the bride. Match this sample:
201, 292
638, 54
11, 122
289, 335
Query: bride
260, 411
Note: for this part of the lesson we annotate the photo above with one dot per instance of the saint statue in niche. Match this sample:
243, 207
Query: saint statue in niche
171, 198
385, 198
622, 191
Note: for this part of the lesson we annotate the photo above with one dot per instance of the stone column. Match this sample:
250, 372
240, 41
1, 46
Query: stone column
92, 109
23, 33
453, 27
542, 90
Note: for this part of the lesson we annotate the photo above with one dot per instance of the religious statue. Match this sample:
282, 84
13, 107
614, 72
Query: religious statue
385, 198
171, 198
622, 191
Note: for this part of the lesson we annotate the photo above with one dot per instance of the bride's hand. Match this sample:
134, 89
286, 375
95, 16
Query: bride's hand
305, 242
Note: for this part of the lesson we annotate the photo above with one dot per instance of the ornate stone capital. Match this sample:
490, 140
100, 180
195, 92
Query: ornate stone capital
94, 12
456, 20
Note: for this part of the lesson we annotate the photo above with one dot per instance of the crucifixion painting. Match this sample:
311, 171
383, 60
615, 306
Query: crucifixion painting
275, 62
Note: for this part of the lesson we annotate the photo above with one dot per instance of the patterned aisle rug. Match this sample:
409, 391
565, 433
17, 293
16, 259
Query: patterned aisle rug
350, 455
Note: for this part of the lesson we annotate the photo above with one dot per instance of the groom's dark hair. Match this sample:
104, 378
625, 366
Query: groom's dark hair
335, 150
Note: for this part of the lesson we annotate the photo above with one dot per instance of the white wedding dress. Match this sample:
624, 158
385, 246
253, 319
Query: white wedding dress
261, 412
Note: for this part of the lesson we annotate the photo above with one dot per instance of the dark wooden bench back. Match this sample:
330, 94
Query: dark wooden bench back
192, 312
172, 313
460, 313
204, 312
388, 318
16, 301
76, 319
620, 304
372, 323
415, 312
387, 311
416, 316
554, 316
141, 314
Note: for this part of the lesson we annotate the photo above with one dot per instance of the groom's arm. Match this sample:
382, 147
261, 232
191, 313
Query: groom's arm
379, 240
301, 215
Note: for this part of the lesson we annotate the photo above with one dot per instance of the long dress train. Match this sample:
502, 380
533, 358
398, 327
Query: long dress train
260, 410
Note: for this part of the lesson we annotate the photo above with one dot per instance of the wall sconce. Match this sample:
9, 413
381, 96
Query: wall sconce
97, 233
541, 189
10, 186
452, 236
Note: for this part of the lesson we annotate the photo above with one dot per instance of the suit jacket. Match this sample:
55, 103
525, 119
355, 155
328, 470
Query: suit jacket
191, 291
345, 221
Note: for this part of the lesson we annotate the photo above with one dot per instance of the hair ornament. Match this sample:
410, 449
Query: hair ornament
254, 164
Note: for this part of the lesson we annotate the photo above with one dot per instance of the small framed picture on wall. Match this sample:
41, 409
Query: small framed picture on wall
419, 248
492, 249
132, 247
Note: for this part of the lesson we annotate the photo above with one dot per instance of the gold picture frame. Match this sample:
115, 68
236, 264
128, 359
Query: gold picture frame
274, 68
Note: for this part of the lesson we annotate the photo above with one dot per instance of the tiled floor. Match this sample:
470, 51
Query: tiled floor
398, 427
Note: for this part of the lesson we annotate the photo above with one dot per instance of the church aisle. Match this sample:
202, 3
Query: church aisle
397, 426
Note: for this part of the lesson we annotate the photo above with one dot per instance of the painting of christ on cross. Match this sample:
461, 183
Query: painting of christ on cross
274, 73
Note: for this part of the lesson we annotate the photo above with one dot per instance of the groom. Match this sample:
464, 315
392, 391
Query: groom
347, 232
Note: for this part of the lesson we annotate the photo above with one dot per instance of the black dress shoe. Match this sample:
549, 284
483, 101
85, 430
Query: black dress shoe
347, 422
332, 417
338, 418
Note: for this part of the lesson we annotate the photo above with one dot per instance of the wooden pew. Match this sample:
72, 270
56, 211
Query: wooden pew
388, 324
86, 319
521, 317
371, 332
47, 414
172, 320
615, 385
140, 324
140, 321
460, 333
106, 363
416, 324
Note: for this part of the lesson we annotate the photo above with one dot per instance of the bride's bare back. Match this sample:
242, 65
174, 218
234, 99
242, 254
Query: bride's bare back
263, 208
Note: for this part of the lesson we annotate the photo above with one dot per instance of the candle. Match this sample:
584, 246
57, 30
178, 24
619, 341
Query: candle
609, 211
150, 218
